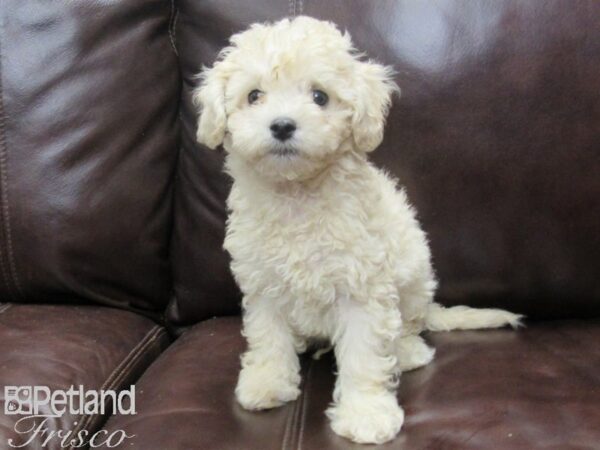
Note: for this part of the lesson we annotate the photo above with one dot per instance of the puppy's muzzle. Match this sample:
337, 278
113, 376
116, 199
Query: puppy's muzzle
283, 128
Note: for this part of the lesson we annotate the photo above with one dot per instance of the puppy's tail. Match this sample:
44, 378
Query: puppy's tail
440, 318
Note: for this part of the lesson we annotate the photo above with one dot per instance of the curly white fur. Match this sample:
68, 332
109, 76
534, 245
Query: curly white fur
323, 244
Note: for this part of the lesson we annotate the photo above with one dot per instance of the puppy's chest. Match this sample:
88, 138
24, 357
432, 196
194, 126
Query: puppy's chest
300, 237
306, 248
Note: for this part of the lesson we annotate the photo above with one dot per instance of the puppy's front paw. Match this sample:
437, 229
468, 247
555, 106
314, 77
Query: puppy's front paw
367, 419
266, 386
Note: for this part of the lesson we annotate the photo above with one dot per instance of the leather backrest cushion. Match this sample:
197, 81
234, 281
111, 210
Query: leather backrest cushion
88, 145
496, 138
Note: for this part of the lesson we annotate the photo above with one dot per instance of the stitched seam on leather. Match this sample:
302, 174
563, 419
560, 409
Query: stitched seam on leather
2, 252
5, 275
117, 375
7, 251
5, 207
295, 427
304, 406
121, 370
290, 436
288, 423
172, 25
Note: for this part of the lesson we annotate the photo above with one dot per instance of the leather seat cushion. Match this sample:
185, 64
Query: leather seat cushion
63, 346
534, 388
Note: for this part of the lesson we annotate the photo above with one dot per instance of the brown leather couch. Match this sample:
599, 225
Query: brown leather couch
111, 218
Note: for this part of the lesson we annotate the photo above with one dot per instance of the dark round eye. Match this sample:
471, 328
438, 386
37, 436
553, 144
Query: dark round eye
254, 95
320, 97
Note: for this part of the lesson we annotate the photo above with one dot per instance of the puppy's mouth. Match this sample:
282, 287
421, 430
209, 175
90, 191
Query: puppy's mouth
284, 152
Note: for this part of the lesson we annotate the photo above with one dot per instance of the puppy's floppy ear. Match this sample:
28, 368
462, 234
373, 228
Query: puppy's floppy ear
210, 97
373, 88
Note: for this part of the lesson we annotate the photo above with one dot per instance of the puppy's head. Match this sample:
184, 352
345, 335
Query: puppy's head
291, 97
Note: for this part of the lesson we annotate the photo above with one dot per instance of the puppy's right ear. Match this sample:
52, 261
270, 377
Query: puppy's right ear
373, 88
210, 97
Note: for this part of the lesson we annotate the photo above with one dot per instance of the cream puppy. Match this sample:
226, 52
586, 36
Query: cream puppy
323, 244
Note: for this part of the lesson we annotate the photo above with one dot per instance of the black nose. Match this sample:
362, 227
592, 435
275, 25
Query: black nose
283, 128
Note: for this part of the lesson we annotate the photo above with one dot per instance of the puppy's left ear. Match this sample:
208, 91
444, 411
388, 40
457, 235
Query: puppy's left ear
210, 98
373, 87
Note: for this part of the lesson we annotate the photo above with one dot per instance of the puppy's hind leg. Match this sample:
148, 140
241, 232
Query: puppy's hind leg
413, 352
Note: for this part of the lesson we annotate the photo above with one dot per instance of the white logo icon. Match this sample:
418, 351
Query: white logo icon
18, 400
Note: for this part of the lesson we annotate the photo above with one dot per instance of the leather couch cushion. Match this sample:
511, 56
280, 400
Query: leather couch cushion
63, 346
495, 138
88, 143
500, 389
